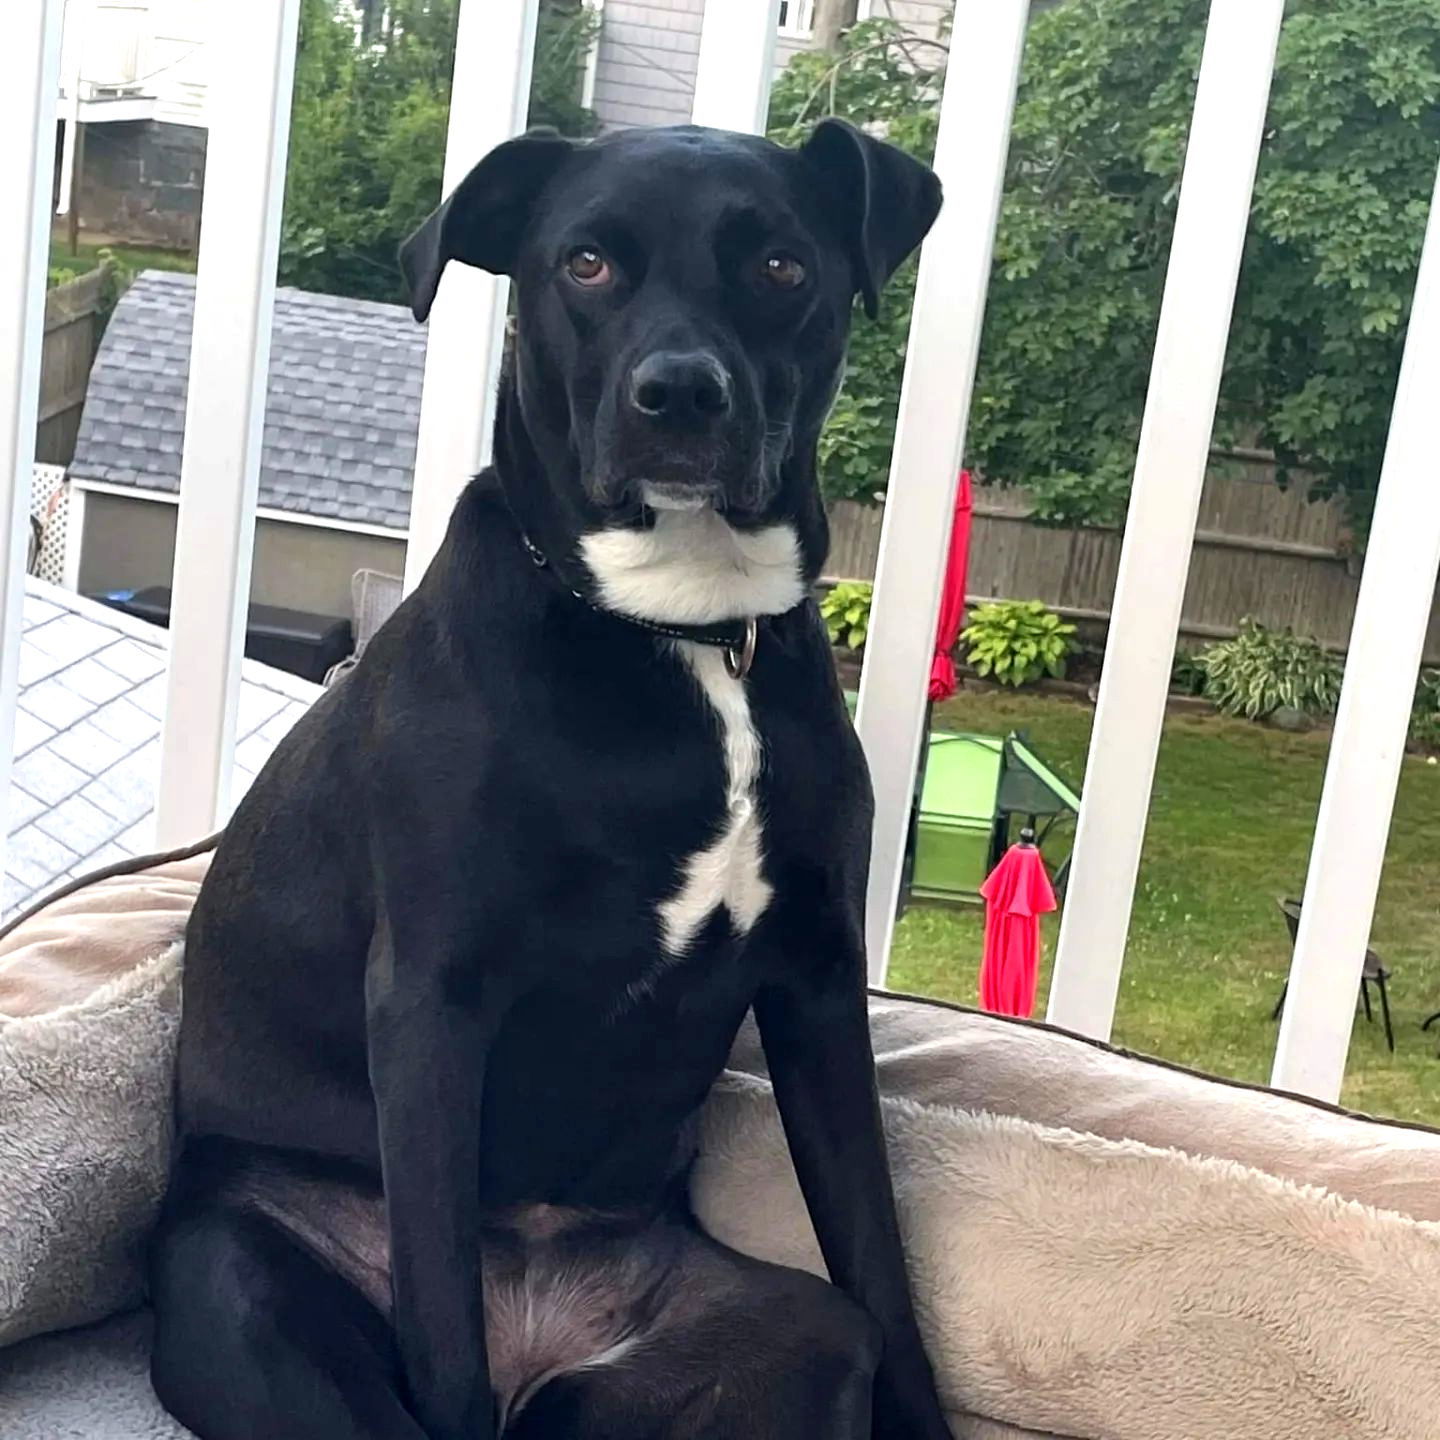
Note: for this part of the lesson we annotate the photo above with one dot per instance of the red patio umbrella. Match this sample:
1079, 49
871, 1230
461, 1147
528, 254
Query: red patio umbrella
952, 597
1017, 892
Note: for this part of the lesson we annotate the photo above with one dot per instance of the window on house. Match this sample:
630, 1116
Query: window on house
797, 17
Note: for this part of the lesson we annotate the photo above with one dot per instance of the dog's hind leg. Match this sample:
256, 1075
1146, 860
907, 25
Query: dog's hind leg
256, 1338
747, 1352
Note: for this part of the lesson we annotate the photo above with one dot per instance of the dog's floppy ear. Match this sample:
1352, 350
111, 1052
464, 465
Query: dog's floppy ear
481, 223
883, 201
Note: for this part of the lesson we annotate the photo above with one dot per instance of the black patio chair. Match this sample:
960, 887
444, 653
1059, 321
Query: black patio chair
1373, 973
1430, 1022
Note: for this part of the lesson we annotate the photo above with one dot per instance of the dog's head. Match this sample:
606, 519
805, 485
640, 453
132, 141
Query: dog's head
683, 299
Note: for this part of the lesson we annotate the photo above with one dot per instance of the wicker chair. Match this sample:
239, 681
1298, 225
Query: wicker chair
374, 598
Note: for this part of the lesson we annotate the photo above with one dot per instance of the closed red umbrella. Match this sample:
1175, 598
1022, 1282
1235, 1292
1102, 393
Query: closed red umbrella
952, 597
1017, 893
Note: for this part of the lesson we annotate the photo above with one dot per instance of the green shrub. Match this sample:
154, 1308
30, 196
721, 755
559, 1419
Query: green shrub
846, 609
368, 127
1261, 670
1425, 717
1017, 641
1187, 674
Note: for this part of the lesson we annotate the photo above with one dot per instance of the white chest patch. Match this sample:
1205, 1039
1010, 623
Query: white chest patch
728, 871
692, 568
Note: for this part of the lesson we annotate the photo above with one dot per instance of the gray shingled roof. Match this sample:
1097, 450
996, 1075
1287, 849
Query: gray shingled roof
341, 414
87, 738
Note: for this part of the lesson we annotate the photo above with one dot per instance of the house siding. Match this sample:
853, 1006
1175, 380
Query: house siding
155, 51
648, 55
645, 70
921, 17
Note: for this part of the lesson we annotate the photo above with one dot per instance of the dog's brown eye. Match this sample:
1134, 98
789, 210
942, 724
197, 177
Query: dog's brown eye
588, 267
785, 272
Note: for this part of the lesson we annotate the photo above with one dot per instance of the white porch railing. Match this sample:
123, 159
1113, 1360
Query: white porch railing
494, 52
950, 291
29, 87
737, 64
1386, 642
1213, 210
492, 65
225, 411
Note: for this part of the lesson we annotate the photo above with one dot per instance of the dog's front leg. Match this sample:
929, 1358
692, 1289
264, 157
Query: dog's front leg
428, 1035
815, 1027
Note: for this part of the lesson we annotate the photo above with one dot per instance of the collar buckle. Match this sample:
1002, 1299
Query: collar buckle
739, 659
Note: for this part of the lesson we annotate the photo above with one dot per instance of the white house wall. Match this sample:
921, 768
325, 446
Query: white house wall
925, 18
644, 73
645, 67
645, 70
153, 52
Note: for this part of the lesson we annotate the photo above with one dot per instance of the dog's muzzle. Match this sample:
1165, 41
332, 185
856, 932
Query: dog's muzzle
681, 392
681, 431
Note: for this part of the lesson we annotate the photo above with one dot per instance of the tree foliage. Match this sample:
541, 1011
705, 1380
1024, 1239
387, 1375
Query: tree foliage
887, 82
881, 79
1098, 142
367, 138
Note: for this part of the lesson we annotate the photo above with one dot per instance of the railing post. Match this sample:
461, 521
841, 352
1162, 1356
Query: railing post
1210, 225
225, 410
72, 52
489, 100
29, 83
737, 65
950, 290
592, 56
1387, 641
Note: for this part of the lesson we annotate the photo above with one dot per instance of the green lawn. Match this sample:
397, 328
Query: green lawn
65, 266
1230, 825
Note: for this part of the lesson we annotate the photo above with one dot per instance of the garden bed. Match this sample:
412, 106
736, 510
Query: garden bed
1078, 692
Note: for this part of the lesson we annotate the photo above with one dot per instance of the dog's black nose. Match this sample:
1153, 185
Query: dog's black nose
681, 387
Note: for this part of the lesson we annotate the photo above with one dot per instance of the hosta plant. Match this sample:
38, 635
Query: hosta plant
846, 609
1017, 641
1261, 671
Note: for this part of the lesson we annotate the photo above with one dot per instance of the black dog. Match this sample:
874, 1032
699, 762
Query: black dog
478, 940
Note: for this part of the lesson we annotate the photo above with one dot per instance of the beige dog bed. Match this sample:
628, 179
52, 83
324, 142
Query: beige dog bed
1102, 1247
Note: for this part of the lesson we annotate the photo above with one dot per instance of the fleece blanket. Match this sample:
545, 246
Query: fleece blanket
89, 1005
1076, 1286
1129, 1253
1107, 1317
92, 1384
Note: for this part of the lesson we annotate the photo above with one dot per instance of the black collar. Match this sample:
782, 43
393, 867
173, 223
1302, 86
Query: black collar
736, 638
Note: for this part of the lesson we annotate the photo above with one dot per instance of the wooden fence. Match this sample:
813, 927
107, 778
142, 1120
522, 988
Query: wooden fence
1260, 551
73, 314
